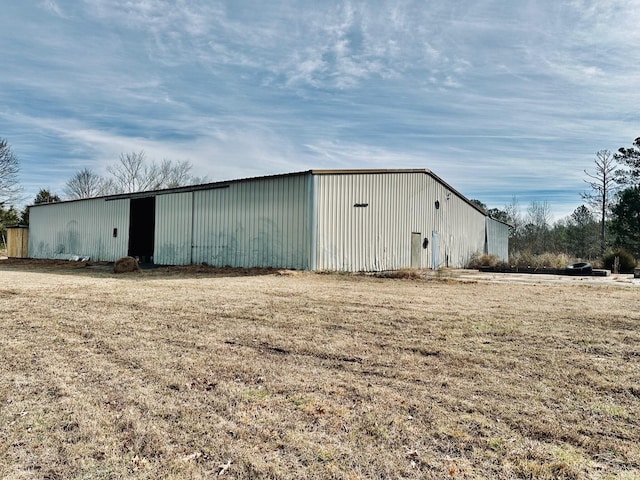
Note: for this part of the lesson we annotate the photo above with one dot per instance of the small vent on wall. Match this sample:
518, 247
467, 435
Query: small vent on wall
360, 205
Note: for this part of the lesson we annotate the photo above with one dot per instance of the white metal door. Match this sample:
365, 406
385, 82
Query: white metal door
416, 246
435, 250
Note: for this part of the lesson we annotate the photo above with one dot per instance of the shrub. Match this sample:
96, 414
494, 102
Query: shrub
483, 260
627, 261
554, 260
544, 260
405, 273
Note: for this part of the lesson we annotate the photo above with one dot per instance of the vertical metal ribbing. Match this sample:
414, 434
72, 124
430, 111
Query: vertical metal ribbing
193, 225
312, 209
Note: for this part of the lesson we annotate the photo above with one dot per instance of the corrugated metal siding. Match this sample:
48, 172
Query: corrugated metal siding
497, 239
302, 221
173, 229
262, 223
378, 236
80, 228
363, 238
460, 227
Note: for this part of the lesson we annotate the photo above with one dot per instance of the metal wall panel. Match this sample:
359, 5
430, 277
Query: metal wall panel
262, 223
84, 228
460, 226
497, 239
345, 221
355, 237
173, 229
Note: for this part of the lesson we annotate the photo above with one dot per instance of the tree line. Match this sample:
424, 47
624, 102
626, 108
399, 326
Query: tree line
132, 172
608, 219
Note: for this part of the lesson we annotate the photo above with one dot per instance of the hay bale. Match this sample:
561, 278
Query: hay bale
126, 265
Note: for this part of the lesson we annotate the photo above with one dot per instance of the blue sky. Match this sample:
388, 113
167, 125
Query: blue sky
499, 98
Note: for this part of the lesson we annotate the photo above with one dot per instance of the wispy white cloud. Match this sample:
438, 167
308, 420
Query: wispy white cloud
499, 98
53, 7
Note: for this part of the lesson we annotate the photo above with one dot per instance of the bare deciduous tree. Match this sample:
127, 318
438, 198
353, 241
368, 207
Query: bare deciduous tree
603, 182
9, 168
134, 173
513, 217
130, 174
174, 174
85, 184
537, 228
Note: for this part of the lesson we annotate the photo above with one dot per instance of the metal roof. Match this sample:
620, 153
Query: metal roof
227, 183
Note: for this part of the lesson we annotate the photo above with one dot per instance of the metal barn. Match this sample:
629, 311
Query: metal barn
343, 220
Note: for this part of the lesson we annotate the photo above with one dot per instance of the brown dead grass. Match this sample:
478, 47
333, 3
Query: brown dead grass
192, 374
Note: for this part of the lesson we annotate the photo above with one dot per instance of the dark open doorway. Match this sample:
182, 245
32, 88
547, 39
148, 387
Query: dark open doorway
142, 221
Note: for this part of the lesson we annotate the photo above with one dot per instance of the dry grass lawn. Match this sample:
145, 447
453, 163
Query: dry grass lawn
188, 374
